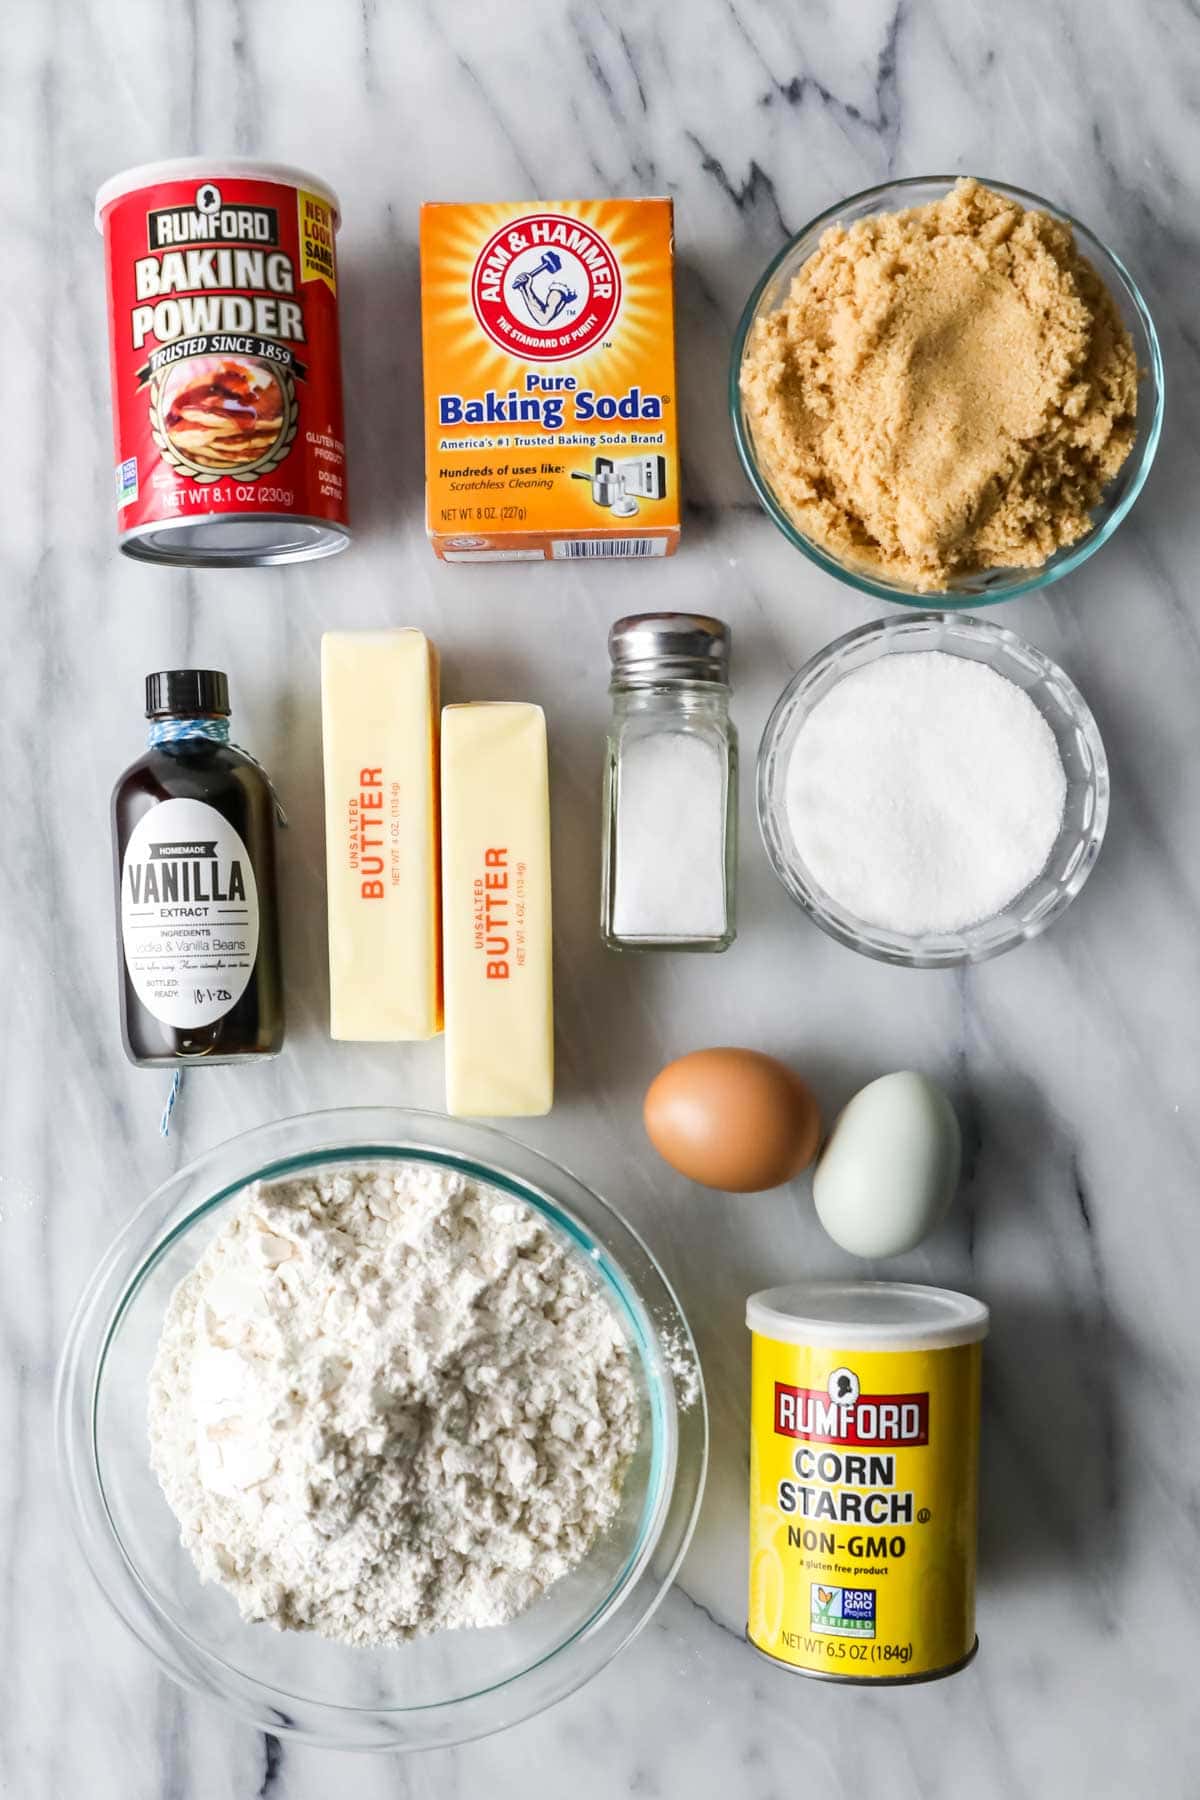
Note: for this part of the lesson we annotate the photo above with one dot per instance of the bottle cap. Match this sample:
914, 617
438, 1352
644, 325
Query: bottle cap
175, 693
652, 647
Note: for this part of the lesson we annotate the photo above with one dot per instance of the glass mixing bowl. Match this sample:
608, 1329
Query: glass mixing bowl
438, 1690
1064, 709
984, 587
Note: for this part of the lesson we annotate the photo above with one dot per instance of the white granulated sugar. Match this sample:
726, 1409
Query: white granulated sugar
390, 1404
925, 792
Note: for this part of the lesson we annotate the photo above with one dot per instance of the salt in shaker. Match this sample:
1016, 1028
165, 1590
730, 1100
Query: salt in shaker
670, 788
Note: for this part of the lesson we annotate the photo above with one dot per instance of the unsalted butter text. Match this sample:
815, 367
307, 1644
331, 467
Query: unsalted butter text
492, 914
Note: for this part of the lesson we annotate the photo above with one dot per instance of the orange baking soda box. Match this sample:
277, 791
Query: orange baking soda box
549, 349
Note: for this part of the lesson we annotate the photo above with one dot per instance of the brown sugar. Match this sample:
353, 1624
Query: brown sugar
945, 389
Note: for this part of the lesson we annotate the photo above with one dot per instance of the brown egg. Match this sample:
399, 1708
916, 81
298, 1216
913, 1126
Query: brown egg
732, 1119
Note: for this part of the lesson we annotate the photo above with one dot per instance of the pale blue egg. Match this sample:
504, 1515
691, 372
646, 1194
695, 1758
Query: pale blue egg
889, 1170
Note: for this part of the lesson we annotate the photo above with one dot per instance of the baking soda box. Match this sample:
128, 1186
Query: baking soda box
550, 411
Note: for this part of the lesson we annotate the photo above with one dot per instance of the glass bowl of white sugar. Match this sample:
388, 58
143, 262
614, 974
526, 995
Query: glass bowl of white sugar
932, 790
381, 1429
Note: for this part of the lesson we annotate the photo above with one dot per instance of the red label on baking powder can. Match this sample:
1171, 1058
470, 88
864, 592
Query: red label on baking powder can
226, 363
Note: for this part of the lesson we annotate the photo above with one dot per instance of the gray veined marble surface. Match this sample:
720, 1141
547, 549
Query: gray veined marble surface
1074, 1062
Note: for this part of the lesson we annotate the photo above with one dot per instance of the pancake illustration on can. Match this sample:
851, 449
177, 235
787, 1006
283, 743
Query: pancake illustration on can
214, 416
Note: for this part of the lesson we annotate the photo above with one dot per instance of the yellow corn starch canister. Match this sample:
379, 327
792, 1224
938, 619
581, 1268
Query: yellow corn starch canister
864, 1474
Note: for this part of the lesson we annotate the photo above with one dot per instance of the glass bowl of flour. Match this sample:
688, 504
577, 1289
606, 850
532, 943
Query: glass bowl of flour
932, 790
381, 1429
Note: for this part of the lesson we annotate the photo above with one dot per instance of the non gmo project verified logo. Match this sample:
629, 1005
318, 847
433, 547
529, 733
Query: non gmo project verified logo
127, 481
843, 1612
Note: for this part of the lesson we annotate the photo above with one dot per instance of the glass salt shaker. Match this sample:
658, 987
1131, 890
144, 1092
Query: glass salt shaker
670, 787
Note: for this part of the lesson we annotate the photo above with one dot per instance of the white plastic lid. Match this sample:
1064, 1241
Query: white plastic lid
867, 1315
220, 168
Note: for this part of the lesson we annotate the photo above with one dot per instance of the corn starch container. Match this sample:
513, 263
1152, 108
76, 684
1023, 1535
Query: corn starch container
864, 1457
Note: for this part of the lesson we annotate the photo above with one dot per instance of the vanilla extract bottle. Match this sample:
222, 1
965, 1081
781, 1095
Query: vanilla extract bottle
193, 825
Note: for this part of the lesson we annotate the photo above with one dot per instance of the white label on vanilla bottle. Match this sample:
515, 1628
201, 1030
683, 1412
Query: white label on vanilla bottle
189, 913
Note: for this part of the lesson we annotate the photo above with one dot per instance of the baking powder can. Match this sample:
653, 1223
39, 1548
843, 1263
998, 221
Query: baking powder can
226, 362
864, 1473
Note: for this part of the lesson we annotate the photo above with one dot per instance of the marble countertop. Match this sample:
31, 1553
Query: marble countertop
1073, 1062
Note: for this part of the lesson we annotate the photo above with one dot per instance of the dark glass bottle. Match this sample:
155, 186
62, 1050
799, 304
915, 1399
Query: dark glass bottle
193, 824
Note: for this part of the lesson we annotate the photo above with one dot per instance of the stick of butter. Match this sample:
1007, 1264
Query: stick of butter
379, 726
496, 911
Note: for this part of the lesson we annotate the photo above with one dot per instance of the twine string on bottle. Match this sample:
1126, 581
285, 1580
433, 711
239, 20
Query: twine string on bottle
174, 731
173, 1092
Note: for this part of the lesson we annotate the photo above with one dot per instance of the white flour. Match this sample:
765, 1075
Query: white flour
389, 1404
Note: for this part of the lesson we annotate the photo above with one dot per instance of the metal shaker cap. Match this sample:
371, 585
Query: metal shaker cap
670, 646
